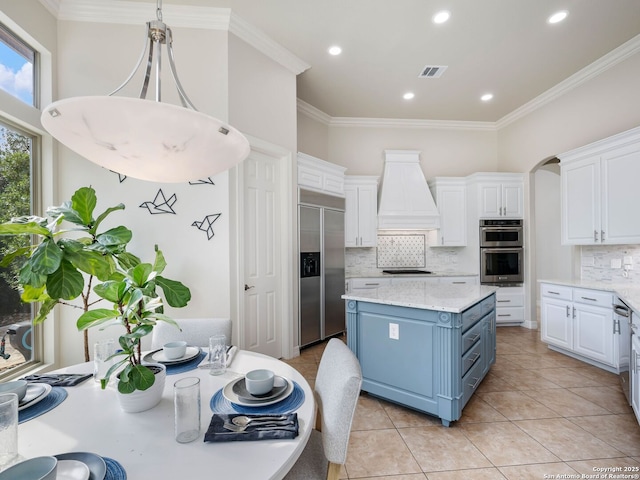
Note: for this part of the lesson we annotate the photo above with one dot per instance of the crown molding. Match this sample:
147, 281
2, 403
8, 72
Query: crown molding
604, 63
263, 43
411, 123
52, 5
313, 113
137, 13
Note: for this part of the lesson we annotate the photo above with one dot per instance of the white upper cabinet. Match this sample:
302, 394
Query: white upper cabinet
320, 176
361, 211
499, 195
600, 191
450, 196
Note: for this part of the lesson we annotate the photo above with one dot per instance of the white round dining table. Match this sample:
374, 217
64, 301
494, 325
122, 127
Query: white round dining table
90, 420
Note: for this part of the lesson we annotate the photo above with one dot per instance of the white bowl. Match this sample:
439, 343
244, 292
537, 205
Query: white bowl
259, 382
19, 387
174, 350
37, 468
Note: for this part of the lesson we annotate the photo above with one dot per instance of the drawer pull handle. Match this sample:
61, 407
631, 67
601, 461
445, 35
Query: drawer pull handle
503, 301
459, 283
371, 284
476, 357
553, 293
590, 299
504, 314
475, 337
474, 385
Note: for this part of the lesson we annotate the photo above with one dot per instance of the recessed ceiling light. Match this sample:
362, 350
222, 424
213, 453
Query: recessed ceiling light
441, 17
486, 97
558, 17
335, 50
408, 95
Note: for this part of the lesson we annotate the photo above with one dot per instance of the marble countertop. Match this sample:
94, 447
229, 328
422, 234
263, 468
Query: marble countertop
628, 293
440, 297
439, 273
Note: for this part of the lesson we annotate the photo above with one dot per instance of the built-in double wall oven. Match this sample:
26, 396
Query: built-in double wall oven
501, 252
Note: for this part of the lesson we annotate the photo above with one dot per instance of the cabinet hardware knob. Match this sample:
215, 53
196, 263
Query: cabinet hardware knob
602, 235
567, 311
595, 235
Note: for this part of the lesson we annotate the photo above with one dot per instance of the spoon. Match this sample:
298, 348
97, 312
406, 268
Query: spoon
281, 425
243, 421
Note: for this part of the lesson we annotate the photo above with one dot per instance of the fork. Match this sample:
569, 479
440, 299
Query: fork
282, 425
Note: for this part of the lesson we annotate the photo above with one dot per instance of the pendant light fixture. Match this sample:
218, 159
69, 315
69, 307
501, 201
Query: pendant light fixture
147, 139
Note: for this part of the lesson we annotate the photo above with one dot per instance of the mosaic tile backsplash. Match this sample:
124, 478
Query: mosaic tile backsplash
401, 251
364, 261
596, 263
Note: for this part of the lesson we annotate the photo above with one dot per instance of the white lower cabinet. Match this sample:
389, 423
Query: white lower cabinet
635, 375
510, 305
580, 322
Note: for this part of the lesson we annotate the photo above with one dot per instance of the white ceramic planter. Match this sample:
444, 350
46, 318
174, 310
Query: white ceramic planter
141, 400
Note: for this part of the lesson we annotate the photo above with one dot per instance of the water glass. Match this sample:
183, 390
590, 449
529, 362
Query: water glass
102, 350
186, 401
8, 429
217, 354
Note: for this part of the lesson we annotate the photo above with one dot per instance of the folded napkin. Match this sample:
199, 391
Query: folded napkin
60, 379
217, 433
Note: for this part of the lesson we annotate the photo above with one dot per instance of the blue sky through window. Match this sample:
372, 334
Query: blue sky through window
16, 74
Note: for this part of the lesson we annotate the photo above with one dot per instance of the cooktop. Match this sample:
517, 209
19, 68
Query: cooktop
408, 272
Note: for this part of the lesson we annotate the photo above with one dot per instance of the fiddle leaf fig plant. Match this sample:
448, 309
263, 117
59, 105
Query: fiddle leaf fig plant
71, 255
136, 306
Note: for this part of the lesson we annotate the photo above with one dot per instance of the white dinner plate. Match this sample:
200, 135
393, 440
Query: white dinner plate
95, 463
159, 356
35, 393
72, 470
228, 393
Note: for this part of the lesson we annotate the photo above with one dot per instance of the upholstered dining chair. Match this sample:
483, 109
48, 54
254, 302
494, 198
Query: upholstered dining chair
337, 388
195, 331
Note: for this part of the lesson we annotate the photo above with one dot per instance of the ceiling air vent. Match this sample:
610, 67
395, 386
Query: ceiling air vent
432, 71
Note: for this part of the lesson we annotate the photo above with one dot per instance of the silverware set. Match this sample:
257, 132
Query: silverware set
240, 423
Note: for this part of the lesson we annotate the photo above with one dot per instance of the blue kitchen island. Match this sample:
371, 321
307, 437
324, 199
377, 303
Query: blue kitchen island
426, 346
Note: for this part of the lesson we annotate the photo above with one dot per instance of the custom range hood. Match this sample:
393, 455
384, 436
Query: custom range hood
405, 202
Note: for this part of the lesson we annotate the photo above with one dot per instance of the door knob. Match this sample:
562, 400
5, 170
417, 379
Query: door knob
247, 287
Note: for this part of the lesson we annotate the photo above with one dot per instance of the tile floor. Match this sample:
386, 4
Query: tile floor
537, 415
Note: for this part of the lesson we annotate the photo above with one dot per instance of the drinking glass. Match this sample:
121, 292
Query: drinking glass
8, 429
102, 350
217, 354
186, 401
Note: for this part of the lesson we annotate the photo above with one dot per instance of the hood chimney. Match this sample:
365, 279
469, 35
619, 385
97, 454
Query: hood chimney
405, 202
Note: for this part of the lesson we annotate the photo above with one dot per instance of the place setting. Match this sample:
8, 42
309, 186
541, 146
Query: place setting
34, 399
257, 406
177, 357
66, 466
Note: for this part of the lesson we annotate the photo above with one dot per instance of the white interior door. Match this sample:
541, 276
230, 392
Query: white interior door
262, 328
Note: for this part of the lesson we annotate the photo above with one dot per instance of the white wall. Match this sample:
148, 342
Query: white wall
313, 137
603, 106
445, 152
262, 98
552, 260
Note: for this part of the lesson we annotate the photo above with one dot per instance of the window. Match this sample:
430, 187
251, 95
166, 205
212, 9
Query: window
17, 72
19, 164
16, 149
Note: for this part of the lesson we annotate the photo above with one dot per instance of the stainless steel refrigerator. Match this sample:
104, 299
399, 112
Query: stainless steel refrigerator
321, 272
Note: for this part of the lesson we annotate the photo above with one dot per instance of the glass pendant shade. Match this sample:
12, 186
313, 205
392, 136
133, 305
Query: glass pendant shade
145, 139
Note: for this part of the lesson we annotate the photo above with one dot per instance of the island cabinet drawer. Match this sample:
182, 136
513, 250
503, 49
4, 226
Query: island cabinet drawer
488, 304
470, 358
471, 381
471, 316
471, 336
593, 297
556, 291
